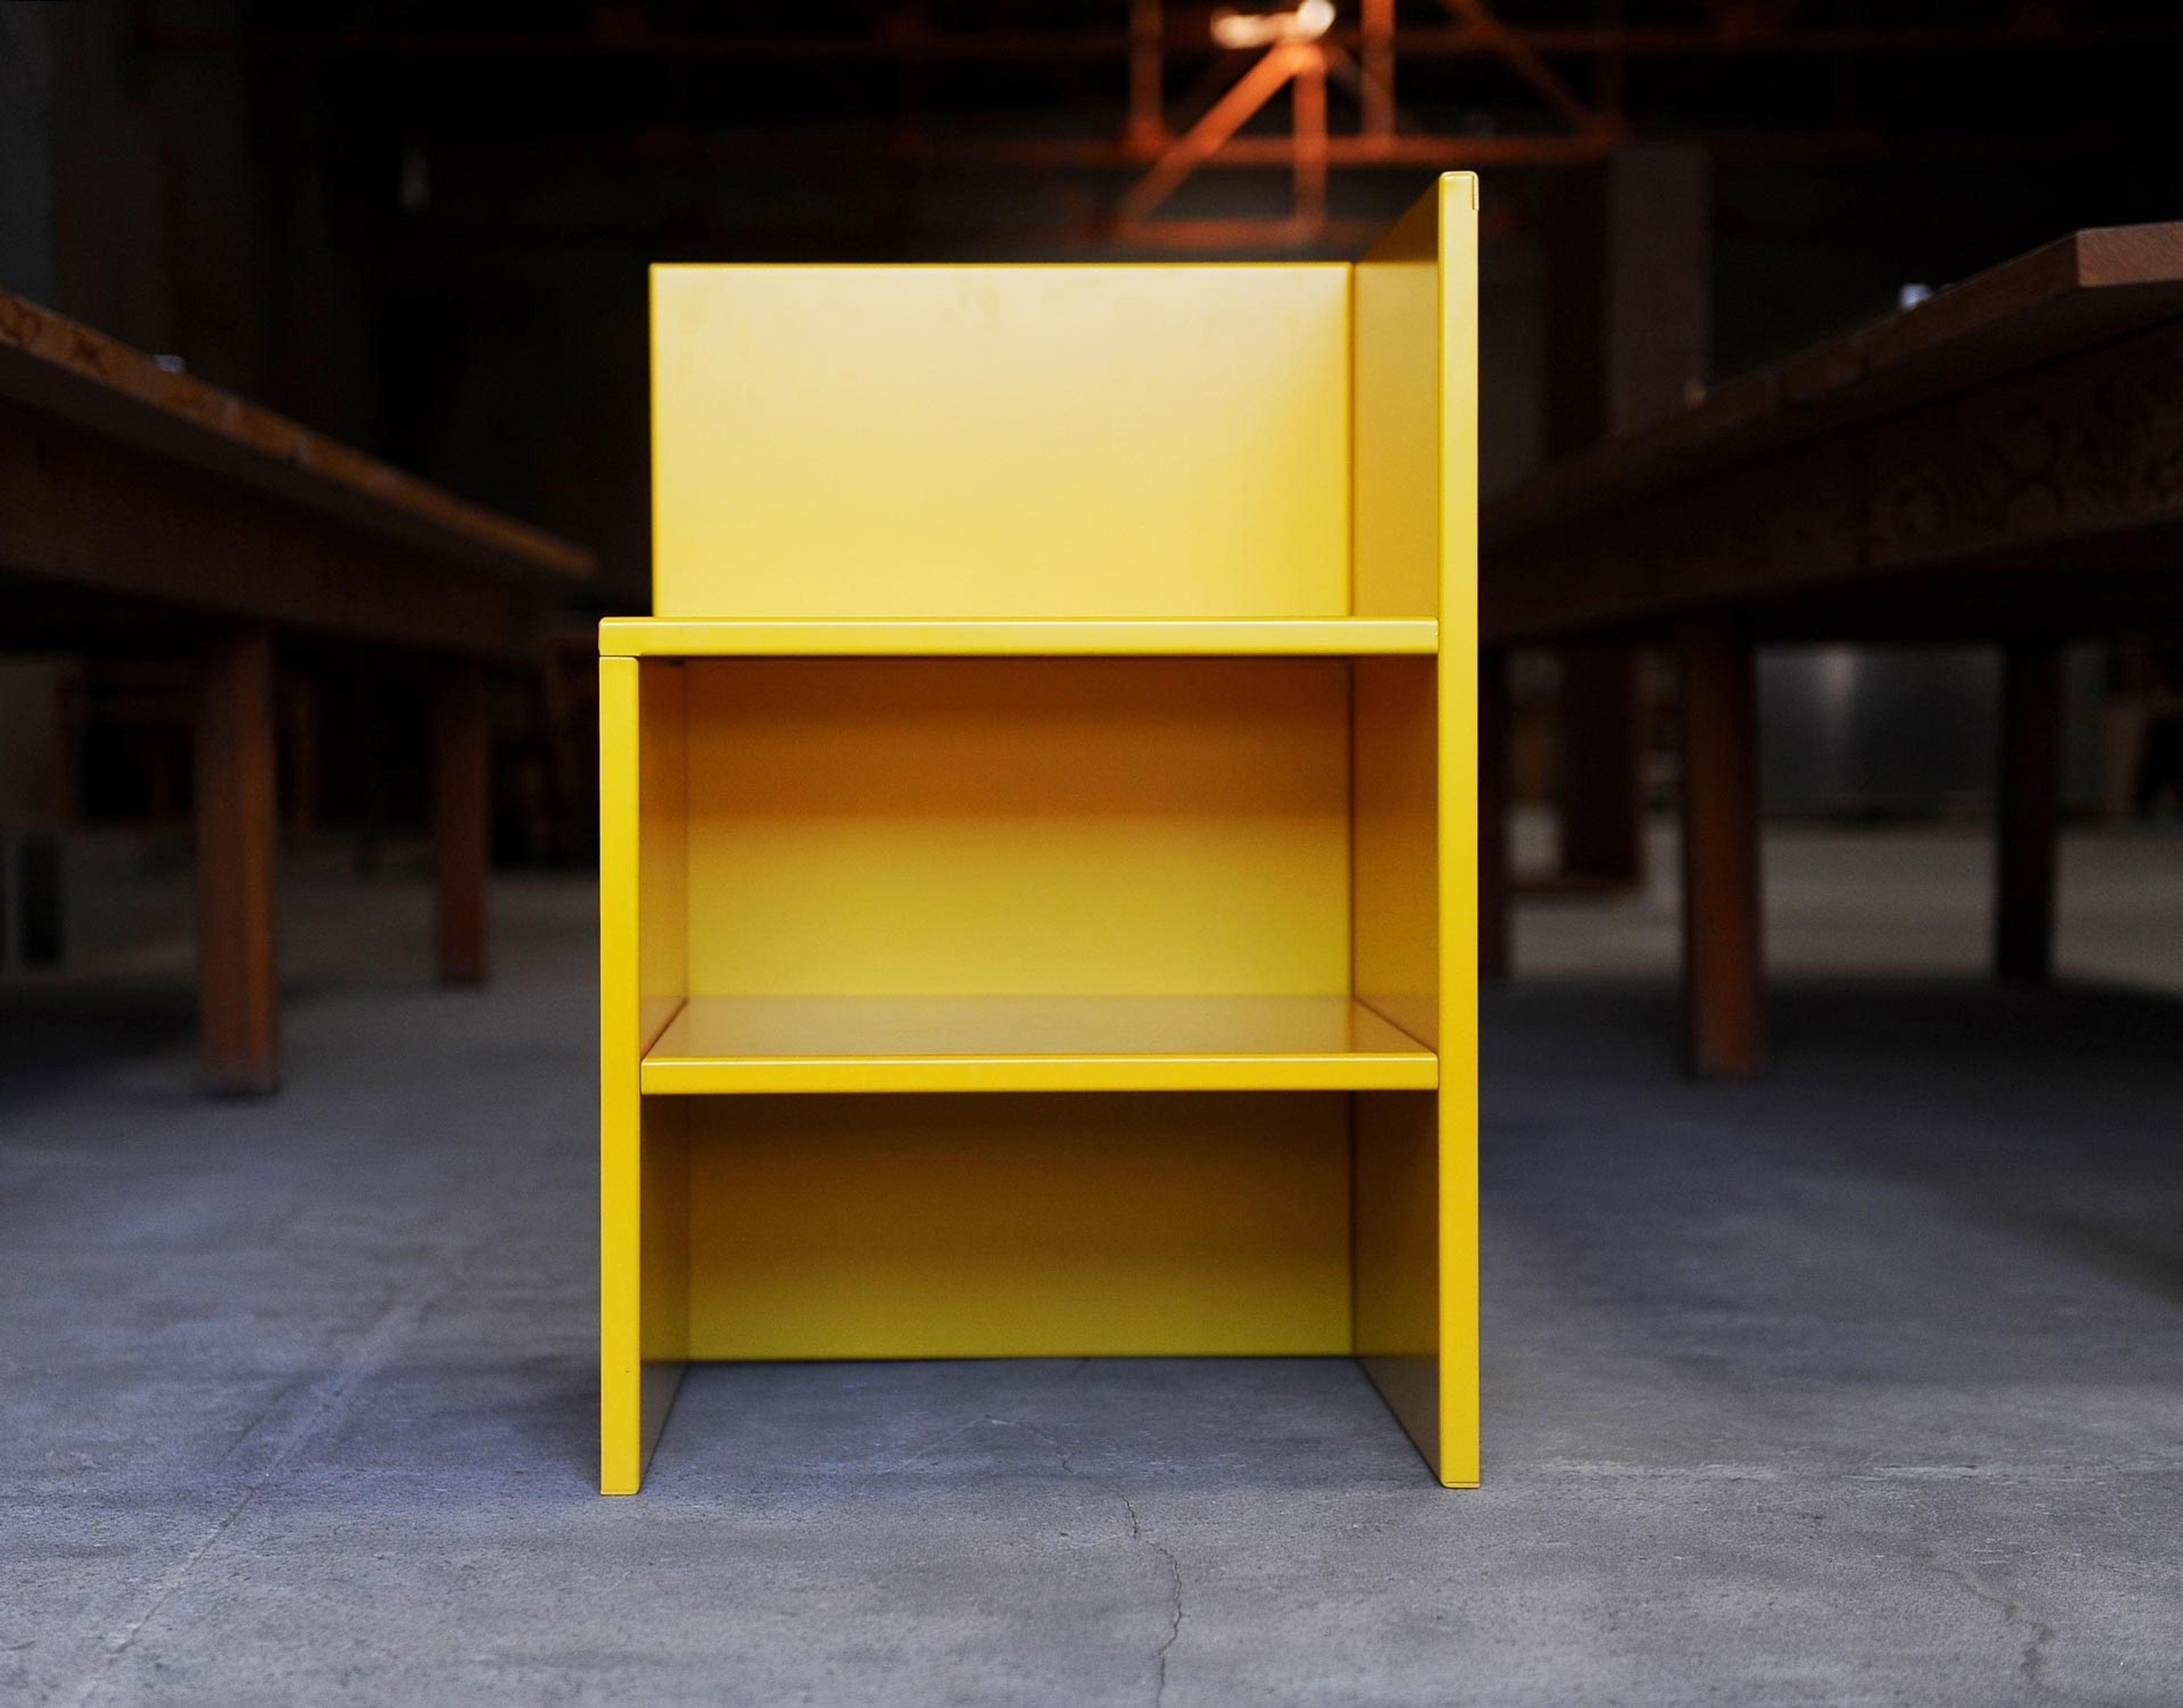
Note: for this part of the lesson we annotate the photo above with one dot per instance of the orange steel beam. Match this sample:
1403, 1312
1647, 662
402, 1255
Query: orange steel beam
1307, 92
1204, 140
1375, 59
1523, 60
1147, 111
1454, 40
1267, 152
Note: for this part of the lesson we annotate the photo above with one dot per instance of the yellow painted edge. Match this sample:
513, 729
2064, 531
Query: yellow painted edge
657, 268
621, 1428
1459, 1455
698, 1076
1310, 636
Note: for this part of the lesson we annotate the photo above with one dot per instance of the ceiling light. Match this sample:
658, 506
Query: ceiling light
1306, 22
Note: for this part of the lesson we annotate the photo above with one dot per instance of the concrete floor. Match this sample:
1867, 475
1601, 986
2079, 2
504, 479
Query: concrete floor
1863, 1385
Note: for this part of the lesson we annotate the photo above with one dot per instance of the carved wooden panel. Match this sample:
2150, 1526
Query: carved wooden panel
2075, 463
2088, 446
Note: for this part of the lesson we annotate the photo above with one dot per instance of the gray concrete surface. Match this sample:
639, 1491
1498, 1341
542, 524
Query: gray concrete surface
1864, 1385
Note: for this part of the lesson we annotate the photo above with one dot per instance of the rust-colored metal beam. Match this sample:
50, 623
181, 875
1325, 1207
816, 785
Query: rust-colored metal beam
1034, 46
1147, 79
1376, 64
1209, 135
1308, 94
1261, 152
1524, 61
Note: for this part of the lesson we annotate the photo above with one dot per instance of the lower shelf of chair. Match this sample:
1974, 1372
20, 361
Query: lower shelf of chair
731, 1044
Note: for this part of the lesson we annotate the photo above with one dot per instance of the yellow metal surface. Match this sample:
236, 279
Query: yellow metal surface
664, 1261
1457, 1460
1396, 525
1000, 440
1020, 827
1029, 1226
1394, 830
1417, 525
1080, 703
1167, 637
1396, 1178
621, 1041
643, 1224
1032, 1044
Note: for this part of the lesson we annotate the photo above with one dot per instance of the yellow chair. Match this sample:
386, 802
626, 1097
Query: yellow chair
1038, 861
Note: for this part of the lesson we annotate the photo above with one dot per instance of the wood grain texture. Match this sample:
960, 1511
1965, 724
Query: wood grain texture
2091, 446
2045, 318
1724, 971
77, 511
63, 369
2075, 467
238, 843
462, 821
133, 499
1628, 337
1790, 521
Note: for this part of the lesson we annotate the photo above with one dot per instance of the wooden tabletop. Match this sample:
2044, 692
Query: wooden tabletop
2031, 408
62, 369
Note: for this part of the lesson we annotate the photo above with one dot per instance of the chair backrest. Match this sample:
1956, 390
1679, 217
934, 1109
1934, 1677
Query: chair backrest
1074, 440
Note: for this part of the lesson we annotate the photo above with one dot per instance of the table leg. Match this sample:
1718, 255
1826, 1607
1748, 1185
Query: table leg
2029, 815
1724, 971
1602, 760
1496, 783
299, 733
462, 798
238, 842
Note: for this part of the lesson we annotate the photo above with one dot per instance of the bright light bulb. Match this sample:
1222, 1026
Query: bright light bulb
1306, 22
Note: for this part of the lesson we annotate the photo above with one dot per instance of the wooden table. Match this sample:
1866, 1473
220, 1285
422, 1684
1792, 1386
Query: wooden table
2003, 462
138, 502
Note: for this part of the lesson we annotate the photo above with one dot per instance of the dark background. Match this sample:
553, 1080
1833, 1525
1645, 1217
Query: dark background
424, 227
